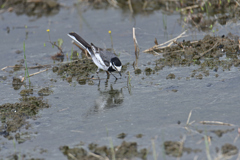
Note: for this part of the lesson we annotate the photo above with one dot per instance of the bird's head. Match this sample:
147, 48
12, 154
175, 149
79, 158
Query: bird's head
116, 65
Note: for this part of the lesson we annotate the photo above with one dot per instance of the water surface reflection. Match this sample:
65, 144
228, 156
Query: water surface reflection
109, 98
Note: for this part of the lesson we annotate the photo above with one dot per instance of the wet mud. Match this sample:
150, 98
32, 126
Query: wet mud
127, 150
176, 149
14, 116
210, 54
17, 83
26, 92
81, 70
121, 135
45, 91
31, 7
220, 133
229, 149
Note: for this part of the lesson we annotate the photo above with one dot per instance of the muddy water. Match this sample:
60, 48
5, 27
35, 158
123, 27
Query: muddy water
93, 111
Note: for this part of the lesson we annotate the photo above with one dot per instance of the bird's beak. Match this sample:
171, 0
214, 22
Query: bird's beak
120, 73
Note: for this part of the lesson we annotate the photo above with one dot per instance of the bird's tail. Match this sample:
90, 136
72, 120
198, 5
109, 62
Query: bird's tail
79, 40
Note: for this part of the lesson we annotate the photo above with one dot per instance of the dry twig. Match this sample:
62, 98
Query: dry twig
216, 123
202, 54
98, 156
190, 7
136, 47
130, 6
189, 116
34, 67
34, 74
72, 156
56, 46
170, 43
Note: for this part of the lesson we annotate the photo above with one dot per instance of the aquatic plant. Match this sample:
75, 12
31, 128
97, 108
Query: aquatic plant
26, 69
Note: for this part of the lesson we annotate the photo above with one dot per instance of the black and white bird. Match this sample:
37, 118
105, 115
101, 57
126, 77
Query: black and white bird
103, 59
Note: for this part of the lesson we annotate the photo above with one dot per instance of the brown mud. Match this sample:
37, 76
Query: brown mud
229, 149
45, 91
210, 53
81, 70
31, 7
220, 133
17, 83
176, 149
127, 150
14, 116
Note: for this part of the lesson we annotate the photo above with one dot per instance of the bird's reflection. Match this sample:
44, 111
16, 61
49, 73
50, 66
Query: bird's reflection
107, 99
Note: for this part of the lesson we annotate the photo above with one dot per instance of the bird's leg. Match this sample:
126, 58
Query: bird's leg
113, 75
99, 84
108, 74
97, 73
106, 84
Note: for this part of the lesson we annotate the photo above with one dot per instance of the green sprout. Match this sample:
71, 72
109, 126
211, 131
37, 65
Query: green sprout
60, 42
111, 37
26, 69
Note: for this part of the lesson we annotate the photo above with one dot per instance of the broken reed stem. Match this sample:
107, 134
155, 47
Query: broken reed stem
174, 39
72, 156
190, 7
40, 66
202, 54
189, 116
170, 43
135, 43
34, 67
5, 68
137, 50
34, 74
216, 123
130, 6
97, 156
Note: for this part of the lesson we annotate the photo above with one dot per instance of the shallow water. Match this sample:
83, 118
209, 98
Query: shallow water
93, 113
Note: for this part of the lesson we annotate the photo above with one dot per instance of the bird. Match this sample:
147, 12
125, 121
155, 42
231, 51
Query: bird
102, 58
